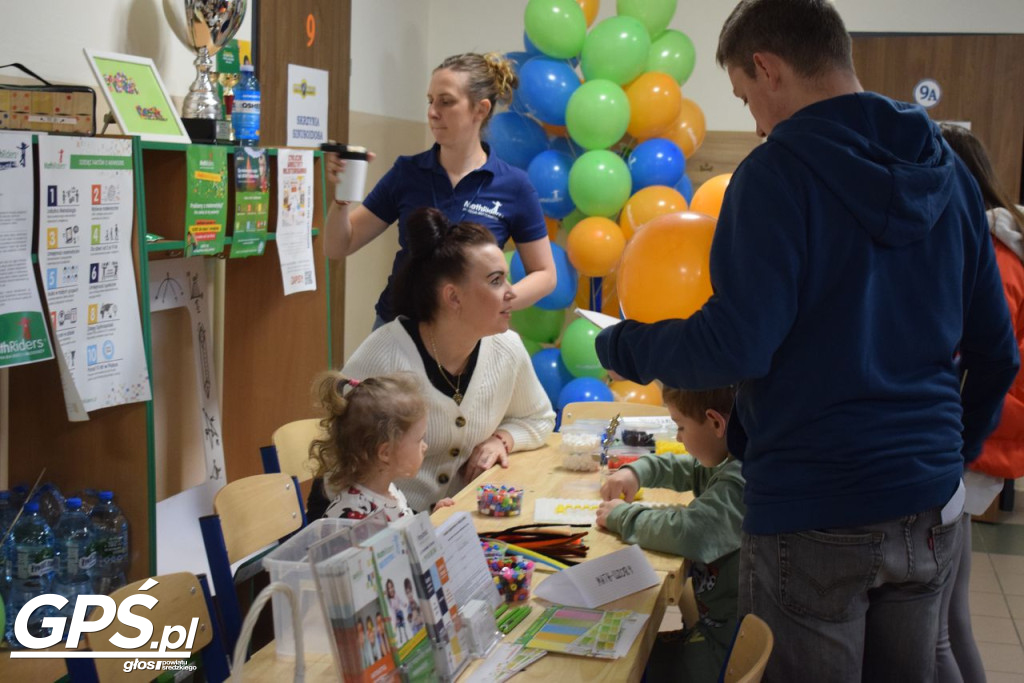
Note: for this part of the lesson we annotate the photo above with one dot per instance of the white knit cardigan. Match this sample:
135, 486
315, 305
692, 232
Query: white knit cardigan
503, 393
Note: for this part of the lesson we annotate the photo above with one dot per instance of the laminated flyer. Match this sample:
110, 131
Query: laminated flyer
252, 202
206, 200
295, 219
85, 260
23, 335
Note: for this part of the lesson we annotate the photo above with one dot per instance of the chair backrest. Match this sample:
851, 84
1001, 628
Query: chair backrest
181, 597
291, 442
750, 651
606, 410
257, 511
250, 514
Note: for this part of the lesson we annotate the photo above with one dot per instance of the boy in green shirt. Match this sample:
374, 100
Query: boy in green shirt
707, 531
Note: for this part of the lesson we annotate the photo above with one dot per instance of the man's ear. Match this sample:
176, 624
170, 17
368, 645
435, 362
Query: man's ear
717, 420
768, 67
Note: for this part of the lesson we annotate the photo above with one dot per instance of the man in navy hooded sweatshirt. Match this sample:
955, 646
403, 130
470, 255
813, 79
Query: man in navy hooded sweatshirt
855, 292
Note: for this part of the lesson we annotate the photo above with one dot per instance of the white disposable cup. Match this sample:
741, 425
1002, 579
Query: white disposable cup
351, 186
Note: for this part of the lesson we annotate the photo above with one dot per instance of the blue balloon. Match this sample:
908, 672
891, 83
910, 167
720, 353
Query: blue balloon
685, 188
551, 371
567, 146
530, 48
656, 162
549, 174
516, 138
567, 279
546, 84
518, 59
584, 389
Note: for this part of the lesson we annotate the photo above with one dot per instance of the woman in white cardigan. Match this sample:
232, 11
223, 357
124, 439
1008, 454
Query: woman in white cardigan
484, 400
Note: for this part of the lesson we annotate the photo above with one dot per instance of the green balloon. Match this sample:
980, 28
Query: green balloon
655, 14
532, 347
597, 114
578, 351
599, 183
570, 221
673, 53
556, 27
616, 50
538, 324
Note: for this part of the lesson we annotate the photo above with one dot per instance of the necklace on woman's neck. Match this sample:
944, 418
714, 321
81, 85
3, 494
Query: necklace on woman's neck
457, 387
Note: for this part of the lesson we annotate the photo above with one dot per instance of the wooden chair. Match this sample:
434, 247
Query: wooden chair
750, 651
250, 515
290, 450
606, 410
181, 598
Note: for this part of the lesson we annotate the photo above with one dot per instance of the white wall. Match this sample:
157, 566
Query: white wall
483, 25
48, 38
389, 44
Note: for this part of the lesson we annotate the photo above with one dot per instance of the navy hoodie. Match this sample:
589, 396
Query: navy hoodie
854, 281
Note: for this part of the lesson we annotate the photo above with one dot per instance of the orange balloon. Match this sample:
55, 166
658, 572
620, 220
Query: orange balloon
595, 245
552, 225
708, 197
688, 129
649, 203
590, 8
624, 390
654, 103
609, 295
664, 269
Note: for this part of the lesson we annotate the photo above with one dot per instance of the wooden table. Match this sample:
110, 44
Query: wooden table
539, 473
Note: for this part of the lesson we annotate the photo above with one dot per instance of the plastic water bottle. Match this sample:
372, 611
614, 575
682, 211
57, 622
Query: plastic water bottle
76, 555
51, 503
110, 531
7, 513
245, 114
33, 571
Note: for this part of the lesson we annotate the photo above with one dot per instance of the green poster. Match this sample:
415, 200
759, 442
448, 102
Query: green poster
252, 202
23, 338
206, 200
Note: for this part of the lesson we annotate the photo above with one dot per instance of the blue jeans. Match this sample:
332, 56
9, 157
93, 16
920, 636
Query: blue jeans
851, 604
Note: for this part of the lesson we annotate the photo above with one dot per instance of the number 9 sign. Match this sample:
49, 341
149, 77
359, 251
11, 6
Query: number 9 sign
310, 30
927, 93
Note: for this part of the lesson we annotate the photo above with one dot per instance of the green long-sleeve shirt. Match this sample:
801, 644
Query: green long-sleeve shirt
703, 531
707, 532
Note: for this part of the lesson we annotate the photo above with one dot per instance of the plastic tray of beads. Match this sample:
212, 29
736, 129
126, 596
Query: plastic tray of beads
499, 501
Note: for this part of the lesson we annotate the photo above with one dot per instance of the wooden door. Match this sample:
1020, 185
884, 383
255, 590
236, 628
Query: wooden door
979, 76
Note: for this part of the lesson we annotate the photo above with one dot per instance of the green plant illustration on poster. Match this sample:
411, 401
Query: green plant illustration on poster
206, 199
252, 202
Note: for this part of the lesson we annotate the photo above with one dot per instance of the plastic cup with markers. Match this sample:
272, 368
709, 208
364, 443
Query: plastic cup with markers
499, 501
513, 576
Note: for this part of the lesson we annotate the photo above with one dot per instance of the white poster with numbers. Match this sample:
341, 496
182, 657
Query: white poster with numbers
295, 219
85, 260
23, 337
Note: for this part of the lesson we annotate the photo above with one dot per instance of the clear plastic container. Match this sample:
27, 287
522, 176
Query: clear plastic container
289, 563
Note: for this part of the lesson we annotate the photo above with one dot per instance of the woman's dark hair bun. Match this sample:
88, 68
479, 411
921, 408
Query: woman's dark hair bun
427, 229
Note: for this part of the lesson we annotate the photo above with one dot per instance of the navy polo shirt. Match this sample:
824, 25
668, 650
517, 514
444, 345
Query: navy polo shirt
496, 195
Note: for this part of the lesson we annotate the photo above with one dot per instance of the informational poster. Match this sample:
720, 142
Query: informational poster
85, 259
307, 106
252, 202
23, 336
183, 283
206, 200
295, 219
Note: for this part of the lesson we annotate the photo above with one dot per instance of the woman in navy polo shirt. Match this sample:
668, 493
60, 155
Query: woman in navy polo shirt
457, 176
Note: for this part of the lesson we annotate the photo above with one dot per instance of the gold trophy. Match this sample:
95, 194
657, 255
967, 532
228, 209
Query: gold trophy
228, 81
204, 26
